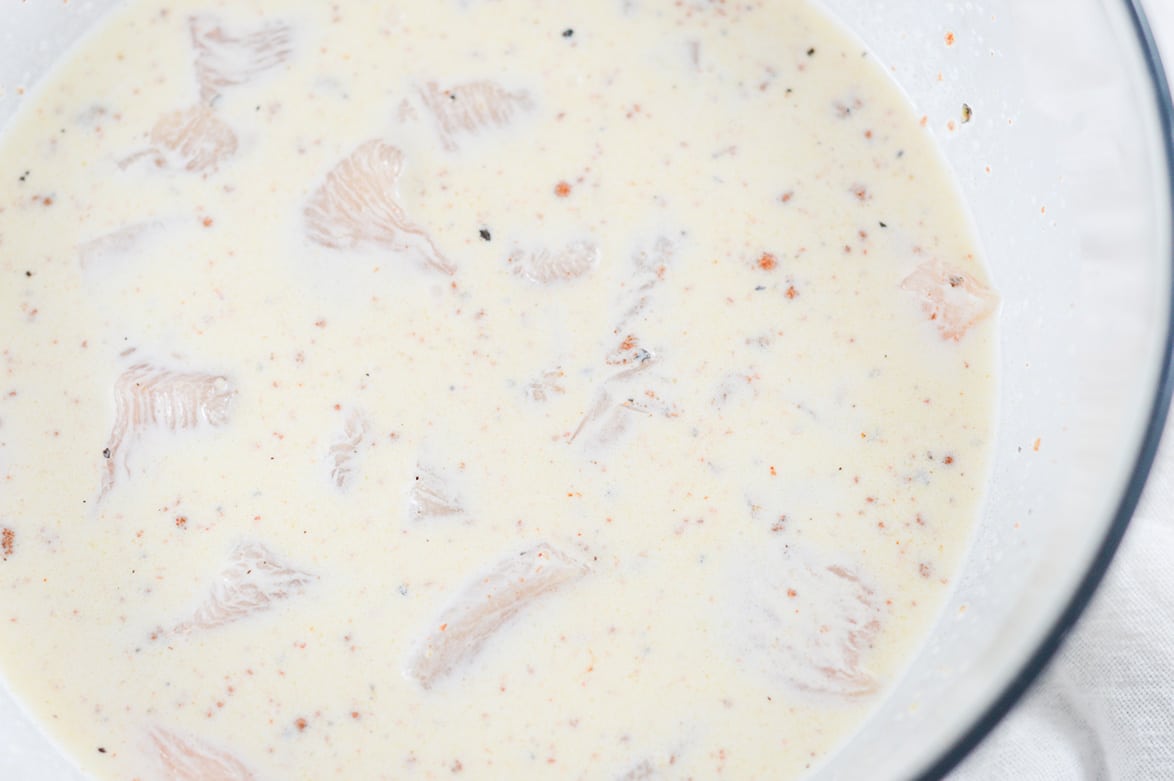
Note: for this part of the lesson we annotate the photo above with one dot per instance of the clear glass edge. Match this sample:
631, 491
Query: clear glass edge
1147, 451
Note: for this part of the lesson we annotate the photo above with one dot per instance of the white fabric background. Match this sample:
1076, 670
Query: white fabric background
1104, 709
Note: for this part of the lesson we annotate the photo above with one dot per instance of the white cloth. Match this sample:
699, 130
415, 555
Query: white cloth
1104, 709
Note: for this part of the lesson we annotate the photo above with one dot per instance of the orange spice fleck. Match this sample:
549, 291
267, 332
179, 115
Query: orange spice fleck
562, 189
207, 222
443, 627
773, 473
948, 460
787, 196
301, 724
181, 522
950, 39
354, 714
1035, 445
7, 542
792, 293
767, 262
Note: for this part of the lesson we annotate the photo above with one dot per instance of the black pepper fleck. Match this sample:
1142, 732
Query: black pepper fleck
101, 750
811, 52
884, 224
567, 33
28, 273
967, 113
485, 234
25, 175
106, 453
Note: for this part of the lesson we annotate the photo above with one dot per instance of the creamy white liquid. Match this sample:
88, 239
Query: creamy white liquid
679, 309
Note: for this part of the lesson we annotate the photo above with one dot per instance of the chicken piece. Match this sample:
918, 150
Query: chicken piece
227, 60
623, 399
648, 272
188, 759
483, 607
149, 396
356, 207
347, 450
123, 241
953, 300
547, 267
471, 107
806, 624
252, 581
430, 496
548, 384
192, 139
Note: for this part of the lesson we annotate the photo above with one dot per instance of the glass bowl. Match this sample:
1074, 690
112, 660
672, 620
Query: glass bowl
1055, 117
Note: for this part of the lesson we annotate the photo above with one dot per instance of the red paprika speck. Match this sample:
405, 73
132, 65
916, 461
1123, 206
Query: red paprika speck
301, 724
767, 262
7, 542
948, 460
562, 189
181, 522
950, 39
792, 293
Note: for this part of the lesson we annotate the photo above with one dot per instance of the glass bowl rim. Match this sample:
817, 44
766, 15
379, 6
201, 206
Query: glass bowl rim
1039, 659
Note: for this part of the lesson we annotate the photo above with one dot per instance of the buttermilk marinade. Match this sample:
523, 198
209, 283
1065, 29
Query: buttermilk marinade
512, 389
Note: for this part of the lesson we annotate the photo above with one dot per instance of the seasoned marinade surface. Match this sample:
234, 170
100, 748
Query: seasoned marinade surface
499, 389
